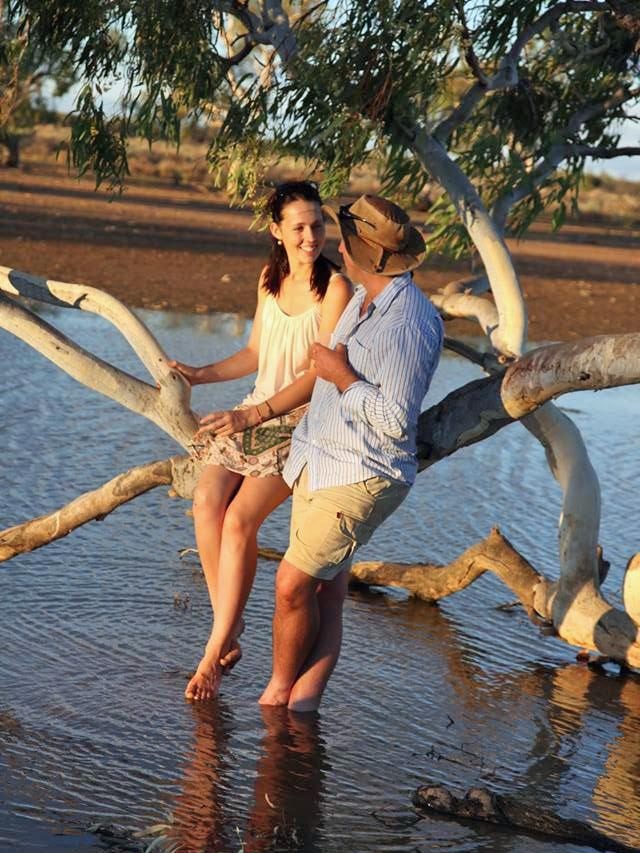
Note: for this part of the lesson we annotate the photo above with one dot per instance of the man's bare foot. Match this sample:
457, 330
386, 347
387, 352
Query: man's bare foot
204, 683
274, 695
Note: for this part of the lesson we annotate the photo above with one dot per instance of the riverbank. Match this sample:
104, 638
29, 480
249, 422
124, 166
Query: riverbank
182, 248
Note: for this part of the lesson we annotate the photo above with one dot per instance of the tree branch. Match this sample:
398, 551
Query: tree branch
90, 506
432, 582
507, 73
481, 408
84, 298
580, 614
174, 418
600, 152
168, 408
509, 333
556, 154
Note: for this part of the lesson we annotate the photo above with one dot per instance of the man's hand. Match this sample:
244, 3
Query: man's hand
333, 365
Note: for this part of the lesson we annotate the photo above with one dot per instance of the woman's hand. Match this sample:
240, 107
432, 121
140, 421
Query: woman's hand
191, 374
226, 423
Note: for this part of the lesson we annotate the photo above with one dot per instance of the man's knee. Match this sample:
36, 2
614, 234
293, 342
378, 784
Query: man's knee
294, 588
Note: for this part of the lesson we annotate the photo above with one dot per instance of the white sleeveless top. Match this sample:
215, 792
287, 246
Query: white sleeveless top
285, 341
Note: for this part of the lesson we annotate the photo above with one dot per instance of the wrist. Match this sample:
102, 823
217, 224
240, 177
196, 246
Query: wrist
199, 376
345, 380
265, 411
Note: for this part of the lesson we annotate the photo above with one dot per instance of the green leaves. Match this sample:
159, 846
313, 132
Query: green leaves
98, 142
365, 71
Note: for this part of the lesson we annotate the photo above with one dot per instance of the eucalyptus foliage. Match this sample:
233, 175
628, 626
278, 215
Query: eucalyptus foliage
25, 67
519, 94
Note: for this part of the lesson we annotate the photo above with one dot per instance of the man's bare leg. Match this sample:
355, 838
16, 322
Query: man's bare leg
256, 498
307, 691
296, 622
216, 487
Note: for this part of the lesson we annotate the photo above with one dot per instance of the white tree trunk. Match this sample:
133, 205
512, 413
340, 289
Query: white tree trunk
579, 613
509, 336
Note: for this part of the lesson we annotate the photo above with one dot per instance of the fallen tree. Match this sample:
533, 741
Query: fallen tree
499, 105
520, 390
479, 804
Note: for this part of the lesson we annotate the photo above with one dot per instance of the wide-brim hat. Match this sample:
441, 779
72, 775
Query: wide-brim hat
378, 235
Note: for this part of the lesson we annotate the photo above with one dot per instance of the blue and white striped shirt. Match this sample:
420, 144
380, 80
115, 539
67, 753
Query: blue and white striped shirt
370, 429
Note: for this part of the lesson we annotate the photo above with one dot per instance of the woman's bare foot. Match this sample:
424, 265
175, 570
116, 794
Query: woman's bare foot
234, 653
204, 684
231, 658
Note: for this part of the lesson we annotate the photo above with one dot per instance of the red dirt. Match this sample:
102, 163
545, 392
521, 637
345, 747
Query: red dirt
183, 248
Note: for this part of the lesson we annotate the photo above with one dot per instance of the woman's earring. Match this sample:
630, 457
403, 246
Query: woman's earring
279, 242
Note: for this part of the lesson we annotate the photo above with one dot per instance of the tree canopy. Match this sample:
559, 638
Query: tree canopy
519, 95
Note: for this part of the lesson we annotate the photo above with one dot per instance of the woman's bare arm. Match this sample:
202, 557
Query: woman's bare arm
241, 363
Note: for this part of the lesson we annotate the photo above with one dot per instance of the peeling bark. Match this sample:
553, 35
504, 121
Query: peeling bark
432, 582
484, 406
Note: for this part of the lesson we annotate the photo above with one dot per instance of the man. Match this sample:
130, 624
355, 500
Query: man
353, 456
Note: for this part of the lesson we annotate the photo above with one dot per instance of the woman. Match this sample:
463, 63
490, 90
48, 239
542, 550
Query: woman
300, 298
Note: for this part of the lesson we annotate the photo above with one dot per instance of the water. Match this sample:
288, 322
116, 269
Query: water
98, 632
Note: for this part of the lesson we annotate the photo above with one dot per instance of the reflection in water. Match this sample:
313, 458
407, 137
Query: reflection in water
286, 804
200, 815
593, 695
568, 713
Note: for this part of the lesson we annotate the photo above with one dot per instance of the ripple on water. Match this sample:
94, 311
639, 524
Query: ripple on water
99, 631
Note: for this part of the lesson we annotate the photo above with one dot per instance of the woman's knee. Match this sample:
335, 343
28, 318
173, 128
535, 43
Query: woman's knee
239, 522
208, 503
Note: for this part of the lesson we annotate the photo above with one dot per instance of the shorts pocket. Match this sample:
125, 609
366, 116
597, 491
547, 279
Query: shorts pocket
356, 530
330, 539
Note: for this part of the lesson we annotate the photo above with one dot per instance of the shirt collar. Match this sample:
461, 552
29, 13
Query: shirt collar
384, 299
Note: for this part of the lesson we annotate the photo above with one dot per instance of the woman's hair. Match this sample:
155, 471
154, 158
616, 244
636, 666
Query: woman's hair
278, 265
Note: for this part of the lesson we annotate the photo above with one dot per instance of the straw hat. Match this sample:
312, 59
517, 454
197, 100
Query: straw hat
378, 235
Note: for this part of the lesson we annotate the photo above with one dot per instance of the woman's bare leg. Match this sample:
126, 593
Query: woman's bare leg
256, 498
216, 487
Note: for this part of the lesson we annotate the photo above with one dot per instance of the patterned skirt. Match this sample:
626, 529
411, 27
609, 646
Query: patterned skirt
258, 451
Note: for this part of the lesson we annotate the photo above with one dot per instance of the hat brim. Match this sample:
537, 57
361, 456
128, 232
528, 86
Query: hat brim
367, 258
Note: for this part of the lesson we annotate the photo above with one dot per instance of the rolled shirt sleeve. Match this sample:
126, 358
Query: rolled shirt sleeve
391, 406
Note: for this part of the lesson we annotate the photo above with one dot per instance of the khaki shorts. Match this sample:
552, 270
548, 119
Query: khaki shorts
329, 525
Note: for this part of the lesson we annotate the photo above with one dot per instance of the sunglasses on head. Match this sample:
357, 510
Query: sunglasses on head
345, 213
289, 187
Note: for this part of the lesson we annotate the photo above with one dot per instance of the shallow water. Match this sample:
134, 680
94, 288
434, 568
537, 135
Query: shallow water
98, 632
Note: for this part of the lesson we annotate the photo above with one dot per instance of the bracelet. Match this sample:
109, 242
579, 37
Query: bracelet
260, 418
271, 413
